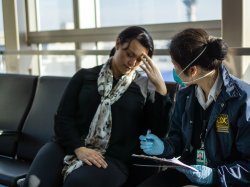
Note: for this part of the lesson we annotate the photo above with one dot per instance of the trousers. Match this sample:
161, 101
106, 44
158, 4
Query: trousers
115, 175
46, 171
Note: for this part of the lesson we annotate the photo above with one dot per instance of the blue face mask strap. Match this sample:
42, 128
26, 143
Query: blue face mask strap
193, 61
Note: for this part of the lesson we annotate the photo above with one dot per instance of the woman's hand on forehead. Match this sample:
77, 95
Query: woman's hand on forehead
154, 74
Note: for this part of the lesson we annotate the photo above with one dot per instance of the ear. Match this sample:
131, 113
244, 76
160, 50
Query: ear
193, 71
117, 43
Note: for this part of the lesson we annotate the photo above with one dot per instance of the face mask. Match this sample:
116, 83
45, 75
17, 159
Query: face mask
177, 79
176, 76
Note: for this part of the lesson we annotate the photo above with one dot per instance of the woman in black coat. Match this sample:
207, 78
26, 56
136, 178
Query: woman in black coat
104, 110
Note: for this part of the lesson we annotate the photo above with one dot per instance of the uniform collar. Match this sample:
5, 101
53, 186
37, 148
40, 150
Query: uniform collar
213, 93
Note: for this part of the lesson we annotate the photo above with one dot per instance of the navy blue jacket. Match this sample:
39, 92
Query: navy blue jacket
227, 139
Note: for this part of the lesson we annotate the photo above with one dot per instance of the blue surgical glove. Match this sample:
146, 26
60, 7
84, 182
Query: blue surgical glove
204, 175
151, 144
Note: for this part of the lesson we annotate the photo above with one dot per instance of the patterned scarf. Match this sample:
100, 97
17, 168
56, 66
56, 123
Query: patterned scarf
101, 125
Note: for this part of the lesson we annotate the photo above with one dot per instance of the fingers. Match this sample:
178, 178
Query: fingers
146, 63
99, 154
146, 66
147, 59
142, 138
151, 136
150, 68
97, 161
87, 162
91, 157
154, 74
146, 145
200, 168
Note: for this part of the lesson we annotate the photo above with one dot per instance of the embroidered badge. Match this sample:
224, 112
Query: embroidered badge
222, 123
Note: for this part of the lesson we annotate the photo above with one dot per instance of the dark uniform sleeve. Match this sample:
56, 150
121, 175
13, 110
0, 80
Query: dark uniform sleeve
173, 143
65, 127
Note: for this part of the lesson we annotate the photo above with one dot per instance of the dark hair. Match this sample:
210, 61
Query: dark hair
136, 33
189, 43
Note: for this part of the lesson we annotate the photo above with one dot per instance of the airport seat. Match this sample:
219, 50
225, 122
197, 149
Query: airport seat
37, 129
16, 96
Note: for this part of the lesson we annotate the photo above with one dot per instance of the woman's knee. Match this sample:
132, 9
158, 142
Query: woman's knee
48, 157
47, 165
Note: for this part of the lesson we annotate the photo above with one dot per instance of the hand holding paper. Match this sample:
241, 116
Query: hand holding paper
204, 175
151, 144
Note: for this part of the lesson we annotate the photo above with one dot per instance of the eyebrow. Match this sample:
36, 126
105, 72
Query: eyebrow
137, 56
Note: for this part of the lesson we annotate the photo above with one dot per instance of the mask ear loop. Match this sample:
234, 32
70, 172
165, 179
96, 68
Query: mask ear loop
200, 77
193, 61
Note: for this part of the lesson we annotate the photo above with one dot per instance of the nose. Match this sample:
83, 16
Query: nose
132, 61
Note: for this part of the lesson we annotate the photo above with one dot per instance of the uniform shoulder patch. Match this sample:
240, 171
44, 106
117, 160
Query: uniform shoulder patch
222, 123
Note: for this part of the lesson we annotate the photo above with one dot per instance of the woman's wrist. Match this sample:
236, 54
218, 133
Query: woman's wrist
79, 149
162, 89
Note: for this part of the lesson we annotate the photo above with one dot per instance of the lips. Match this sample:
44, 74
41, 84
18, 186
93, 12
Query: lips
127, 67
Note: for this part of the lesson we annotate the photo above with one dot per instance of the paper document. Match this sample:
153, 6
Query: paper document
173, 162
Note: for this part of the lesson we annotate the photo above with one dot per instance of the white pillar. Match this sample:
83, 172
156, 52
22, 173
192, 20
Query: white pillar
246, 40
236, 31
11, 34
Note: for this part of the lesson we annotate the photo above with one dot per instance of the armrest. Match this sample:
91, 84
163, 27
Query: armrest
8, 133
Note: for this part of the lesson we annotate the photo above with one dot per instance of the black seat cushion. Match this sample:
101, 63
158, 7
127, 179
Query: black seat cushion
37, 129
39, 125
11, 170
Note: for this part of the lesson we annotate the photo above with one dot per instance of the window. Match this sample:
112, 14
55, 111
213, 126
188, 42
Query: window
87, 13
58, 15
134, 12
61, 65
55, 14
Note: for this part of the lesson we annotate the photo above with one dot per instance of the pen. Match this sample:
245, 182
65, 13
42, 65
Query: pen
149, 139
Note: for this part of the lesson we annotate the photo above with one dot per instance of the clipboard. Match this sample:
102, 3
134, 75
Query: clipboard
171, 163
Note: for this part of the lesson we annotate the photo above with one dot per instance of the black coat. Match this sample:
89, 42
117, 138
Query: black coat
139, 108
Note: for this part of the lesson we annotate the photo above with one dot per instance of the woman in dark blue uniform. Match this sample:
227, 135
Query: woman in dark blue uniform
210, 127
